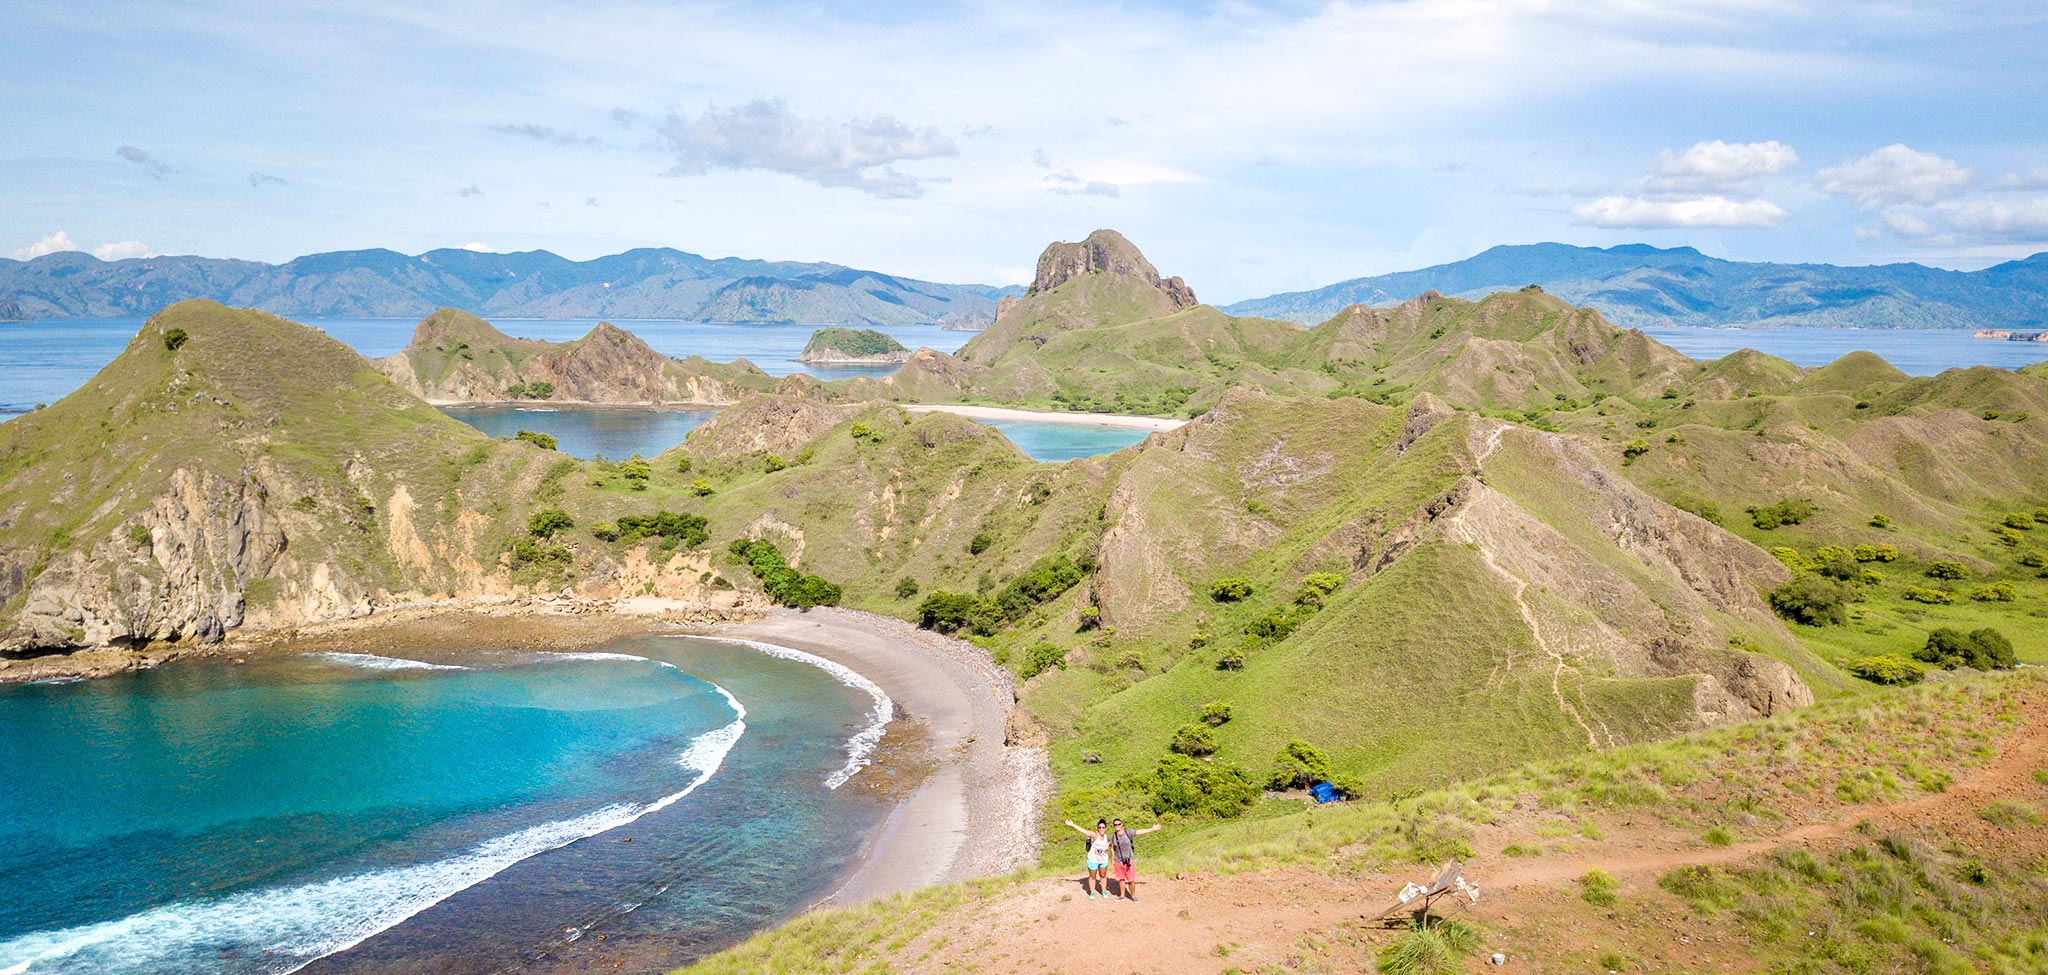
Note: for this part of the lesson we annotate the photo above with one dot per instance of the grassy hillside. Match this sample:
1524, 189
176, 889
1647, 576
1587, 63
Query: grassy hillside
1866, 834
232, 462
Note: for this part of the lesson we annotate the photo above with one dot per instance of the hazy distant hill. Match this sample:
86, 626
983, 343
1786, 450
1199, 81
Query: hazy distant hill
644, 283
1636, 284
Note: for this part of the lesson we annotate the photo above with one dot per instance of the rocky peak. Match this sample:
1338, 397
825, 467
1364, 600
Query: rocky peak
1104, 252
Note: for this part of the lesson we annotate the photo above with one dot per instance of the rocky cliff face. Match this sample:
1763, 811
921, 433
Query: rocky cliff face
1104, 252
455, 357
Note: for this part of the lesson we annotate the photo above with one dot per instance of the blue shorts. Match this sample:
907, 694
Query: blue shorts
1094, 864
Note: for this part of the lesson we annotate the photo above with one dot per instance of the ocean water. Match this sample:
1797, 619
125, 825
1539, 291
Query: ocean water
1057, 442
1916, 353
476, 813
616, 433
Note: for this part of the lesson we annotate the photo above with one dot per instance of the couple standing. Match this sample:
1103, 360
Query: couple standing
1106, 845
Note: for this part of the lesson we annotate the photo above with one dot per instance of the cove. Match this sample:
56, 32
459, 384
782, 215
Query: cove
346, 812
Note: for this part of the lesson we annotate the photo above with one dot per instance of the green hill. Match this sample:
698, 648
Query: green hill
456, 357
229, 465
846, 345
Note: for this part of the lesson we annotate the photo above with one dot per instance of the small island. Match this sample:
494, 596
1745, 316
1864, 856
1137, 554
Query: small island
847, 346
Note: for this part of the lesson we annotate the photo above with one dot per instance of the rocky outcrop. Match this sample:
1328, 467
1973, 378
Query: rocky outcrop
846, 346
455, 357
179, 573
1103, 252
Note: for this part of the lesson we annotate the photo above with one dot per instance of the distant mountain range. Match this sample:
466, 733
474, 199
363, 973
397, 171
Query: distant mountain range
1636, 285
643, 283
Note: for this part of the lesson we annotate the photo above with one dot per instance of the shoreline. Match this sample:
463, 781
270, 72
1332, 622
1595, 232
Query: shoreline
1156, 424
975, 789
974, 812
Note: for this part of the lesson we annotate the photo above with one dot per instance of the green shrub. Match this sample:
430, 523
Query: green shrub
701, 488
175, 339
771, 463
1790, 511
1888, 669
2034, 560
1884, 552
1231, 590
1191, 786
1193, 740
1597, 887
1981, 649
1836, 562
1635, 449
1230, 661
1091, 618
906, 587
688, 531
862, 431
1996, 592
1040, 658
979, 543
541, 440
1944, 569
526, 553
1298, 765
1932, 597
1216, 712
683, 464
1699, 506
1705, 887
1813, 600
951, 612
1718, 836
2022, 520
2008, 536
547, 521
636, 471
1880, 521
784, 584
1317, 586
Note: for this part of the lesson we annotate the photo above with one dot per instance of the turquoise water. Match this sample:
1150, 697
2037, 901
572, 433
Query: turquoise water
1063, 441
345, 813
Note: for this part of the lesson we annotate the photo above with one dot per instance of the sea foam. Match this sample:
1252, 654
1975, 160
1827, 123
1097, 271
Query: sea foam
274, 931
860, 748
375, 662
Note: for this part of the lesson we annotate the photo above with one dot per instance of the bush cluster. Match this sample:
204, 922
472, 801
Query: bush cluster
1298, 765
538, 390
1790, 511
1231, 590
783, 584
1193, 740
1981, 649
1813, 600
1040, 658
547, 521
1190, 786
1888, 669
950, 612
541, 440
687, 530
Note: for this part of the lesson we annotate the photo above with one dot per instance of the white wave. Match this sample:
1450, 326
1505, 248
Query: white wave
285, 929
860, 748
374, 662
600, 655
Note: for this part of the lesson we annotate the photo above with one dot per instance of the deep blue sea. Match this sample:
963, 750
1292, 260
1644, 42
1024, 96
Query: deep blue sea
472, 813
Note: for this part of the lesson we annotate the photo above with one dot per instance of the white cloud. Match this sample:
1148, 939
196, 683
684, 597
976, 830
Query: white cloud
121, 250
2033, 179
1718, 165
1975, 221
479, 247
1895, 174
59, 241
1702, 211
766, 135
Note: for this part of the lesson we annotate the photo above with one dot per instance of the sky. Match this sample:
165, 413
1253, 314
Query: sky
1249, 147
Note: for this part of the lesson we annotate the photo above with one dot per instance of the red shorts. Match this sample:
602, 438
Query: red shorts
1125, 870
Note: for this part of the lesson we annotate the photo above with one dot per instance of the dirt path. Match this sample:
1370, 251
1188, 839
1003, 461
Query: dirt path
1302, 919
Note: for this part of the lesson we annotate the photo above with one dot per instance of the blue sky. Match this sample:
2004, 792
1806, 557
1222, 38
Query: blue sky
1248, 147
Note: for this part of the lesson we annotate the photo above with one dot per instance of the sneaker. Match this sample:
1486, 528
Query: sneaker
1091, 895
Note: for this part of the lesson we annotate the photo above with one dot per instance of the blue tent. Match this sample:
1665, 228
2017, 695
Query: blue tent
1325, 792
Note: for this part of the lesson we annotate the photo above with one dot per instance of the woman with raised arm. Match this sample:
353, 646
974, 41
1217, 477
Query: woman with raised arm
1098, 857
1124, 850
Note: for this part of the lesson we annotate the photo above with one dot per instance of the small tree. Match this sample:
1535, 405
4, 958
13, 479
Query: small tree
174, 339
1215, 713
547, 521
702, 488
1982, 649
1193, 740
979, 543
1888, 669
541, 440
771, 463
1812, 600
1298, 765
906, 587
1944, 569
1231, 590
1316, 586
636, 470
